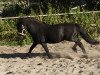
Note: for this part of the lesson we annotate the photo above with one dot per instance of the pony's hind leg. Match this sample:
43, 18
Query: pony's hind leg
82, 47
75, 39
78, 43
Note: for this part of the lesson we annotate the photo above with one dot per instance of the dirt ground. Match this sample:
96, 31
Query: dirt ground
65, 61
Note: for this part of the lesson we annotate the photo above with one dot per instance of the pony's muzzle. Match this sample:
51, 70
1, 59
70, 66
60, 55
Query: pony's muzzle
20, 36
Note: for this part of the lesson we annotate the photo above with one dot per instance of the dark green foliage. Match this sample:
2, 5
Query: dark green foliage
93, 4
11, 10
37, 6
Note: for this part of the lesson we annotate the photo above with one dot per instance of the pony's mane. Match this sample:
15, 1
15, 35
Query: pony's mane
32, 19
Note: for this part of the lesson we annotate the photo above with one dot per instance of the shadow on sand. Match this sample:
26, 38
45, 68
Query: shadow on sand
33, 55
21, 55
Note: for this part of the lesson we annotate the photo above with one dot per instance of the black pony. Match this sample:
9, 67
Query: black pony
43, 33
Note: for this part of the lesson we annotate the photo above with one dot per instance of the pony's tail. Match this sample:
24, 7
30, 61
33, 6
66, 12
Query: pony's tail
86, 36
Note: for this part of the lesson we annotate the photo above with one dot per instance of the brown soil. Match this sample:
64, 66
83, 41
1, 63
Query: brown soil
65, 61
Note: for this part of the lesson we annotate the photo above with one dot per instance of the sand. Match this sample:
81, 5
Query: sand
64, 62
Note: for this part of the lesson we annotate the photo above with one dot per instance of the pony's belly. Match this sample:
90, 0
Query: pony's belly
54, 40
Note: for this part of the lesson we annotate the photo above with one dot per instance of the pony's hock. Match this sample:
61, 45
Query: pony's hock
43, 33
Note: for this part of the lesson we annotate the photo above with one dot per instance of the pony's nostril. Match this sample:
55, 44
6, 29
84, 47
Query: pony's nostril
20, 37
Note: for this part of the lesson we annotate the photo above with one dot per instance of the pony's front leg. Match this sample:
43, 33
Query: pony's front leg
74, 47
44, 45
31, 48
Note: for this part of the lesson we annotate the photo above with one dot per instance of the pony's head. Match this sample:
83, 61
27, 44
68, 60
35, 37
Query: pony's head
21, 30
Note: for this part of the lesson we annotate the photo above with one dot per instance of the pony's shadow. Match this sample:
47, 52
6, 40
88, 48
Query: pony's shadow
21, 55
33, 55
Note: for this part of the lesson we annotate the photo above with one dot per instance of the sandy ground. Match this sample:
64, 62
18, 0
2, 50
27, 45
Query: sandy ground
65, 61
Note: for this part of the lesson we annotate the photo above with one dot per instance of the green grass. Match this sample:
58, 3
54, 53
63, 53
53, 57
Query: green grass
8, 32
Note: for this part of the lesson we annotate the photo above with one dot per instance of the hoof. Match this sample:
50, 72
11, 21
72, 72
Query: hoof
28, 55
84, 56
74, 49
50, 56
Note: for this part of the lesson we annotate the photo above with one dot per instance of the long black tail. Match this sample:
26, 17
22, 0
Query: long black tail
86, 36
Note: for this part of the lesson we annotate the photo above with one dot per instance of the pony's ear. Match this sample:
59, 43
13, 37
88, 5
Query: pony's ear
19, 22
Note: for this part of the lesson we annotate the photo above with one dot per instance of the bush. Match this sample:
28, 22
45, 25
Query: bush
8, 32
